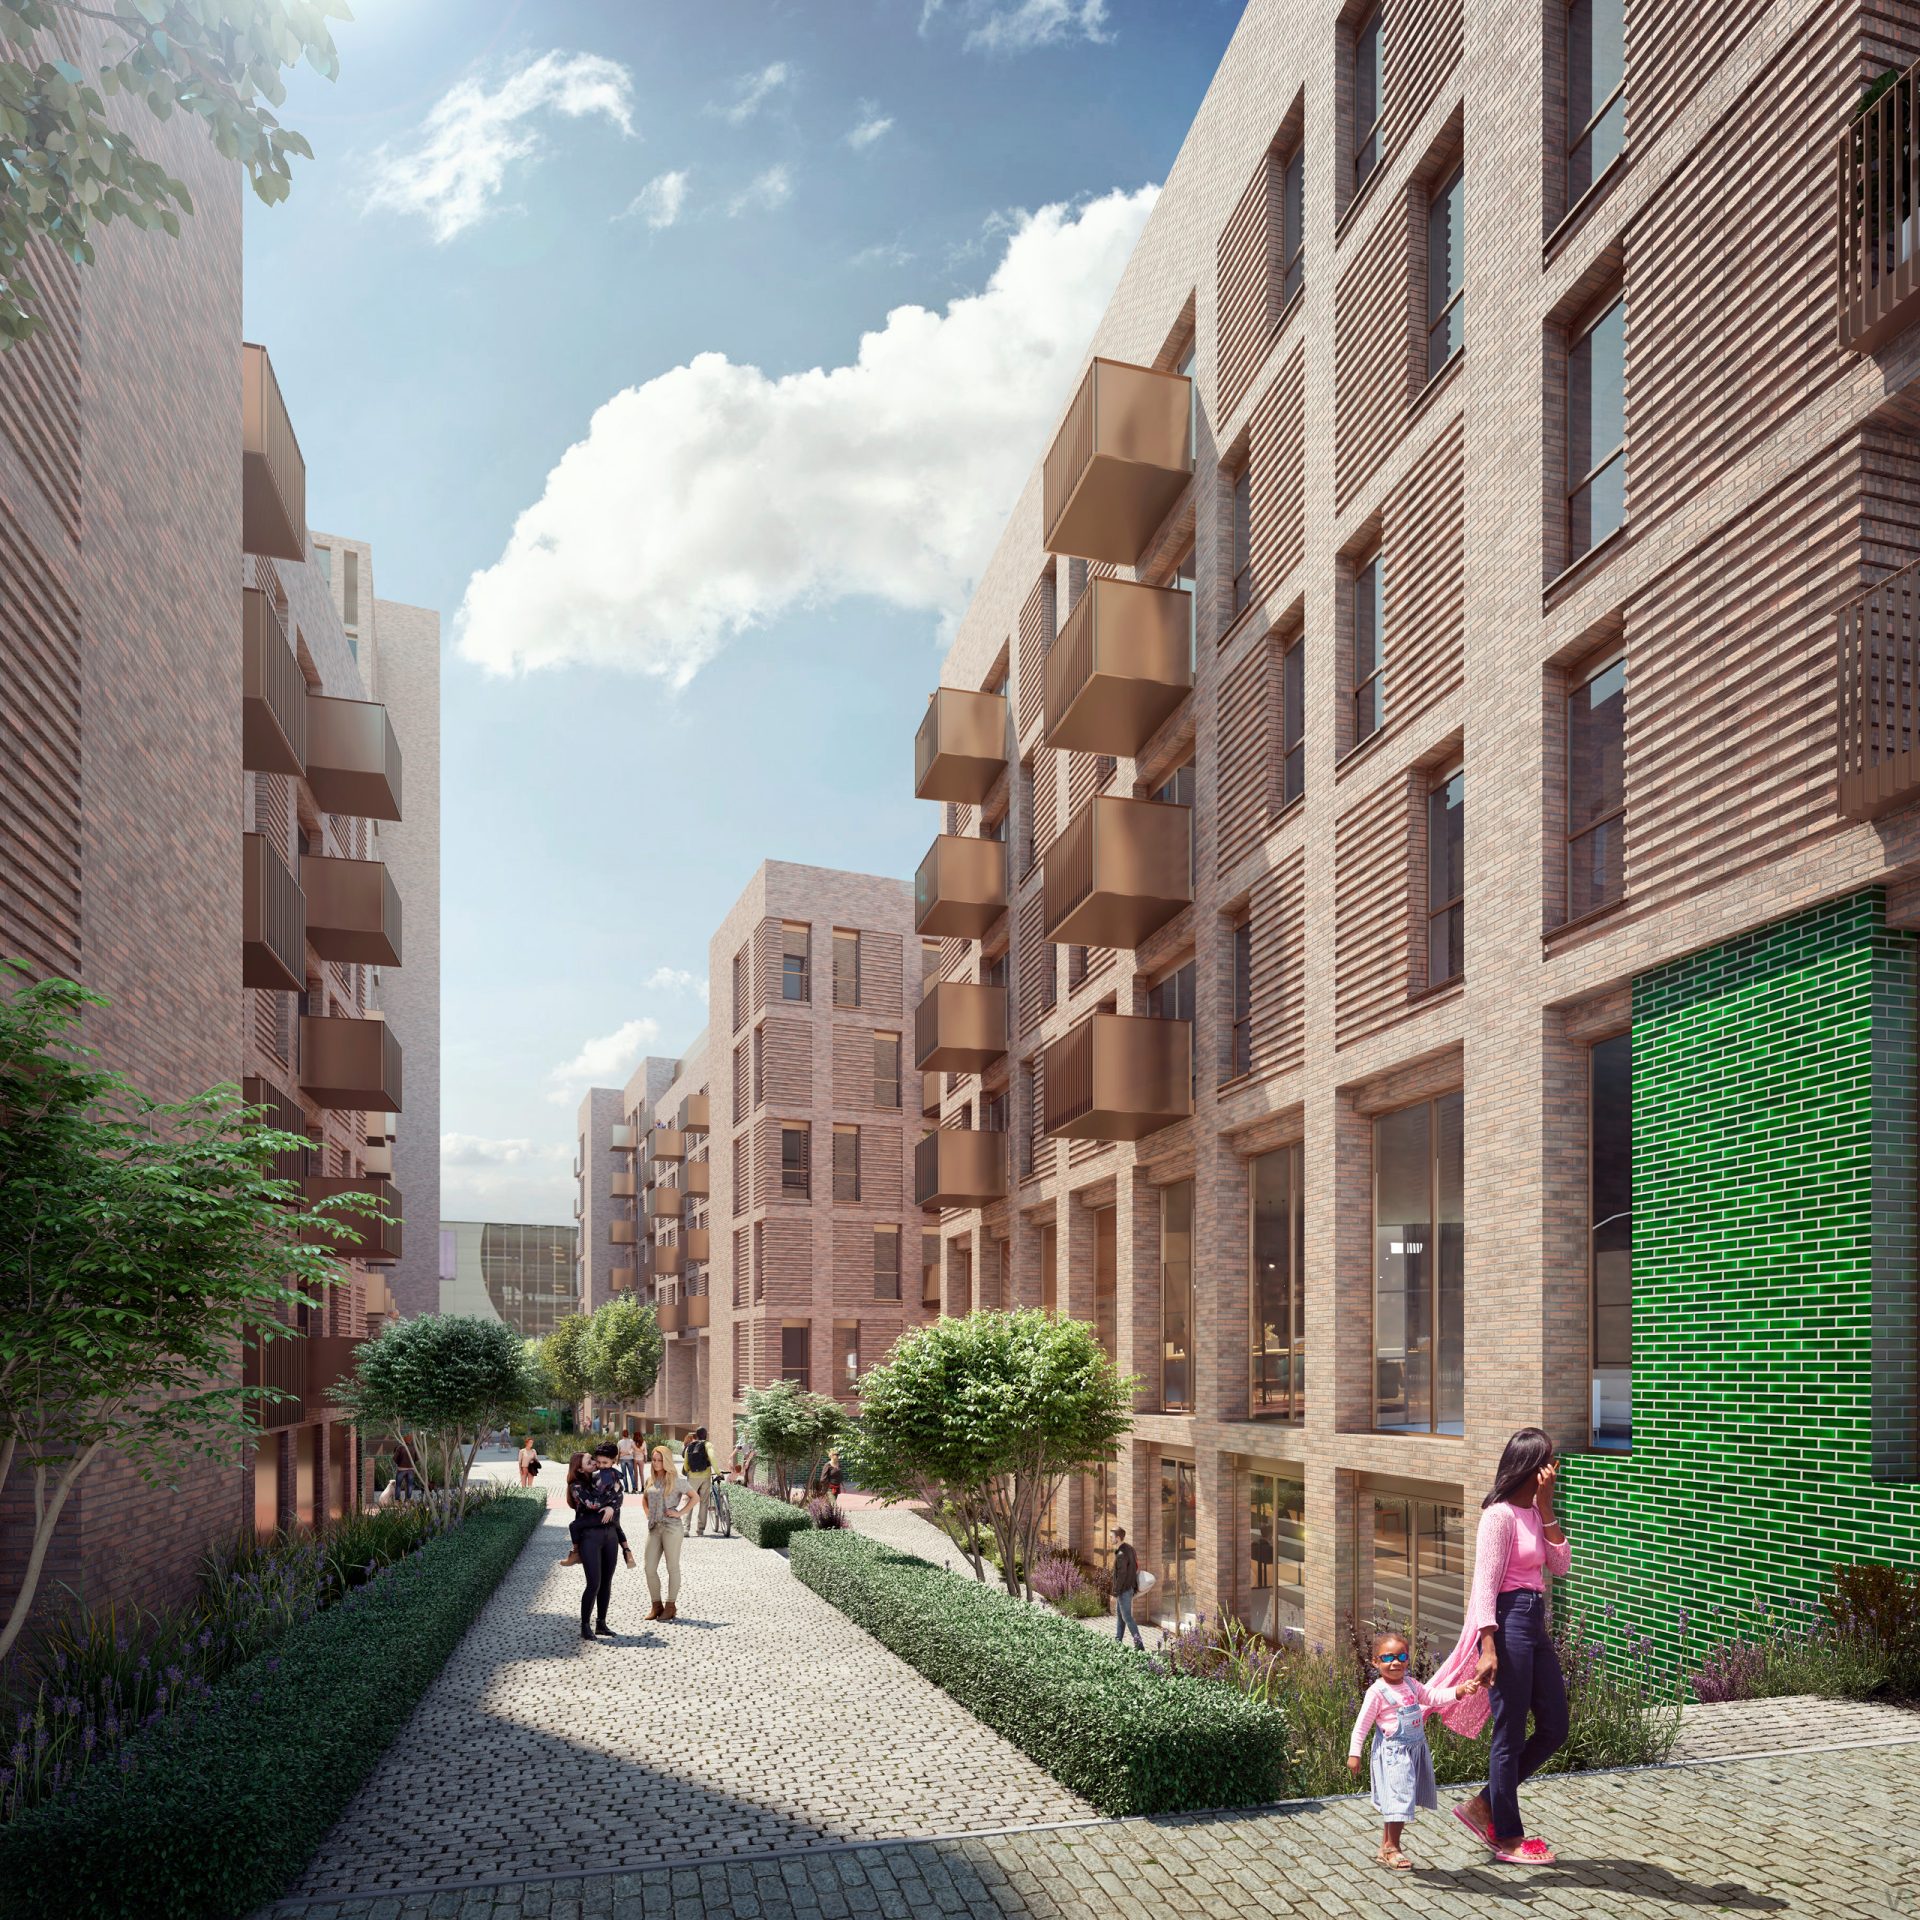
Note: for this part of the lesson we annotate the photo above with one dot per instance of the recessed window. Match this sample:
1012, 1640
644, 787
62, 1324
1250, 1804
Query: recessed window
1419, 1319
1172, 998
1446, 877
796, 962
1293, 221
886, 1069
739, 989
1610, 1236
1446, 285
1293, 722
1277, 1556
846, 1356
846, 968
1277, 1253
759, 1065
886, 1263
1368, 93
993, 969
759, 1262
1176, 1297
1597, 432
1240, 1037
1418, 1561
1048, 963
846, 1163
993, 1112
1369, 647
1076, 966
350, 586
1243, 538
1597, 790
1025, 809
1596, 90
796, 1355
796, 1163
1036, 1116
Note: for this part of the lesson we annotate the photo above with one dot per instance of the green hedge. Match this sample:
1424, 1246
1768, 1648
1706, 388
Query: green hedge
221, 1811
765, 1521
1100, 1719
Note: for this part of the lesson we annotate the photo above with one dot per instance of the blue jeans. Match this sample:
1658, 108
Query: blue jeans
1528, 1680
1123, 1621
630, 1470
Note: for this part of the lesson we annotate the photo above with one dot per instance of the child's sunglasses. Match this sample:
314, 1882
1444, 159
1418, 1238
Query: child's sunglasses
1394, 1659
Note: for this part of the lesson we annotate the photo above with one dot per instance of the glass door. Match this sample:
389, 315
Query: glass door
1172, 1602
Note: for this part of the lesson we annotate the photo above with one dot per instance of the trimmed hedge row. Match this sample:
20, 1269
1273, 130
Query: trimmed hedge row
221, 1810
765, 1521
1102, 1720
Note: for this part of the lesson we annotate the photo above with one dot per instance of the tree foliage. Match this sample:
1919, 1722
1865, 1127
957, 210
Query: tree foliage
141, 1245
985, 1417
562, 1360
623, 1348
791, 1430
67, 169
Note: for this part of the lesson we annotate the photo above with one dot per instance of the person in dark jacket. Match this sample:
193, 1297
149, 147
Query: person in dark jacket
1126, 1579
597, 1501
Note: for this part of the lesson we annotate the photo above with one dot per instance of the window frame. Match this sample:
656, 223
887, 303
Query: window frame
1579, 337
1373, 687
1290, 1408
846, 1164
789, 973
1363, 148
1240, 538
1452, 909
884, 1236
1187, 1404
1581, 137
1616, 818
846, 941
1240, 995
1451, 181
1292, 162
803, 1378
1594, 1363
1293, 720
1433, 1279
802, 1189
884, 1082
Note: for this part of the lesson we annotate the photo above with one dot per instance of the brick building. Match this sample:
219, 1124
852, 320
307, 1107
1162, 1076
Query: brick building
1424, 947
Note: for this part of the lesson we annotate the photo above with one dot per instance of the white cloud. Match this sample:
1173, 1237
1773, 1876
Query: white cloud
604, 1062
883, 253
473, 136
871, 126
1036, 23
716, 497
754, 91
676, 980
763, 193
483, 1179
659, 202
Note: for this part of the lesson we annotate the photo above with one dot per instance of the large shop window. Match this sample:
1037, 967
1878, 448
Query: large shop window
1418, 1566
1419, 1319
1610, 1236
1176, 1297
1277, 1389
1277, 1555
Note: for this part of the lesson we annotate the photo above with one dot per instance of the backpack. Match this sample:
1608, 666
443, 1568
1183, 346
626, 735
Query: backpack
697, 1459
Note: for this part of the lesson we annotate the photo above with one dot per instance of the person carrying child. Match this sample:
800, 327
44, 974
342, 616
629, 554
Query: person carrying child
589, 1502
1395, 1712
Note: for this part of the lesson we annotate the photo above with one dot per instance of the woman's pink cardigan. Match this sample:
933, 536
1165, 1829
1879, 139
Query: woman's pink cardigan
1492, 1547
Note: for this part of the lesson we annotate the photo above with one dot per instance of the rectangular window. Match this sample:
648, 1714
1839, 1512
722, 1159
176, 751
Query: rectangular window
846, 968
1076, 966
1243, 538
846, 1163
1419, 1322
796, 1169
1277, 1555
1419, 1567
350, 586
993, 969
1240, 1041
759, 1066
1367, 91
1446, 288
1049, 964
929, 1269
796, 963
1173, 997
1597, 790
1596, 90
1277, 1285
739, 989
1176, 1297
886, 1263
1369, 647
1049, 1269
1172, 1602
993, 1112
759, 1262
1597, 432
796, 1354
1293, 221
886, 1069
1293, 722
929, 960
1446, 878
1106, 1280
846, 1356
1028, 842
1610, 1236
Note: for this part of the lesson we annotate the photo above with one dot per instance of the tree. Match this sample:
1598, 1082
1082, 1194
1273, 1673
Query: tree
67, 169
440, 1382
623, 1349
562, 1358
792, 1430
991, 1414
141, 1245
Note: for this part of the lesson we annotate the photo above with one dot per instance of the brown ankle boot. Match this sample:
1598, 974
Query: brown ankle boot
655, 1611
672, 1612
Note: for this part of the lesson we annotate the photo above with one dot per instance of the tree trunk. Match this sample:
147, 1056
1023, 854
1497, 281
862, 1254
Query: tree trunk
45, 1519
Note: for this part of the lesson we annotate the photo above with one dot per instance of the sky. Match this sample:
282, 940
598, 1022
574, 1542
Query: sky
687, 359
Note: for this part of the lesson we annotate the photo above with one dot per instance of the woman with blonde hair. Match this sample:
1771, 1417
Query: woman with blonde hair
668, 1497
529, 1461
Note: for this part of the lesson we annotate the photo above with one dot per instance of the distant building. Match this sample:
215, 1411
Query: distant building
500, 1270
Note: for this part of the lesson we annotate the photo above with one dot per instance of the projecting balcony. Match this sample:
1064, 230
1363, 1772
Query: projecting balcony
625, 1186
696, 1310
283, 1114
1119, 1076
1122, 457
1879, 277
621, 1139
961, 748
669, 1261
273, 920
665, 1203
353, 758
353, 910
694, 1110
697, 1243
349, 1063
672, 1315
620, 1279
374, 1240
960, 889
959, 1027
667, 1143
1121, 667
957, 1167
622, 1233
1119, 873
273, 691
697, 1179
273, 486
1879, 747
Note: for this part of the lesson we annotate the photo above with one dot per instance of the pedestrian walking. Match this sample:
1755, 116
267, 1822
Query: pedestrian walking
667, 1496
629, 1460
529, 1461
1507, 1645
1126, 1583
596, 1529
1394, 1710
833, 1476
697, 1458
406, 1481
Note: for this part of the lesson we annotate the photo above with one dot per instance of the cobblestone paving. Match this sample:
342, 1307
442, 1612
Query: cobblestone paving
1800, 1723
1818, 1837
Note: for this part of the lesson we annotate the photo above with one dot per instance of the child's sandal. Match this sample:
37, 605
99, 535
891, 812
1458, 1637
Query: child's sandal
1394, 1858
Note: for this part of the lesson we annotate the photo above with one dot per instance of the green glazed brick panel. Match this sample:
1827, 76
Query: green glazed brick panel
1773, 1282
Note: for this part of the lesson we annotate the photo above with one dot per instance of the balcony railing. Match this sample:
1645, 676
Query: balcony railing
1120, 871
625, 1186
273, 691
1121, 667
377, 1157
373, 1240
277, 1363
349, 1063
620, 1279
669, 1261
697, 1242
961, 747
1879, 689
960, 889
1122, 457
284, 1114
273, 497
665, 1203
694, 1111
958, 1167
621, 1138
667, 1143
696, 1179
353, 758
1119, 1077
273, 920
959, 1027
696, 1311
672, 1315
1879, 279
622, 1233
353, 910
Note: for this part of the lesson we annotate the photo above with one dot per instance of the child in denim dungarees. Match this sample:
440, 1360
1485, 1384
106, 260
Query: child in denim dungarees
1395, 1711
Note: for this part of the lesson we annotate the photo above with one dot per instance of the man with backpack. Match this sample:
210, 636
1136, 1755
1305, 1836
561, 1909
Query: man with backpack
698, 1462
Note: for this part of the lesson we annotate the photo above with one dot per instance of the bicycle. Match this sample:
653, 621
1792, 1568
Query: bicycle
722, 1507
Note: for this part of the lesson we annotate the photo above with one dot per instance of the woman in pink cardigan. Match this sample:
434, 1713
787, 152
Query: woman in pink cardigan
1507, 1645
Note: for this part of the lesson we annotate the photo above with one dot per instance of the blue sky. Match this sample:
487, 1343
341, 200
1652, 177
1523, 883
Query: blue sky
686, 358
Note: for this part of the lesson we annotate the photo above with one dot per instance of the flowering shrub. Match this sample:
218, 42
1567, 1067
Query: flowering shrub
824, 1511
1055, 1577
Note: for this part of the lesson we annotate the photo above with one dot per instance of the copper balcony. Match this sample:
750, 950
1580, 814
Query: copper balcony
665, 1203
273, 691
349, 1063
961, 887
1121, 667
1119, 1076
1879, 637
667, 1143
694, 1110
372, 1239
377, 1157
1879, 277
672, 1315
670, 1261
280, 1363
957, 1167
696, 1308
620, 1279
1121, 870
625, 1186
959, 1027
353, 910
697, 1179
622, 1233
1122, 457
330, 1364
621, 1139
961, 748
273, 483
353, 758
697, 1243
273, 920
